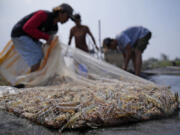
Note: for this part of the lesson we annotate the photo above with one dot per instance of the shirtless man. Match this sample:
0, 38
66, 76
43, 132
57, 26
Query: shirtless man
79, 31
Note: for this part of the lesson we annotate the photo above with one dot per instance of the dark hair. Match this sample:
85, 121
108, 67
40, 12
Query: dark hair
63, 8
107, 42
76, 17
56, 13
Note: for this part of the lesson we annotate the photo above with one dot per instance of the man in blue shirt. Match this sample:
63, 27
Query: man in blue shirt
131, 42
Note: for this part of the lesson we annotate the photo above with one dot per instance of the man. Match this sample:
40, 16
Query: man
132, 42
35, 26
79, 32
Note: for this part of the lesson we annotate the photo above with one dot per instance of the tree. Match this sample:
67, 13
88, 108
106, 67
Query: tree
164, 57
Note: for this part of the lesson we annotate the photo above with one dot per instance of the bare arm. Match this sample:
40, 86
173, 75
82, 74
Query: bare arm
89, 32
127, 56
70, 37
138, 55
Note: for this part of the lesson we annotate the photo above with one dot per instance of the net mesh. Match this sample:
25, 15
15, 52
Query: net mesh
78, 90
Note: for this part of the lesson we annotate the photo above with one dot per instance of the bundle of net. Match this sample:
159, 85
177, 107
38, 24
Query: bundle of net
103, 96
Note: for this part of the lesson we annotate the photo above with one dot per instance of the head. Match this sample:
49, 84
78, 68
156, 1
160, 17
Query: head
63, 12
77, 19
109, 44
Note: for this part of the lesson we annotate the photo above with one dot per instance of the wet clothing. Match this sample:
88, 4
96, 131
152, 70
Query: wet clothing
27, 32
136, 37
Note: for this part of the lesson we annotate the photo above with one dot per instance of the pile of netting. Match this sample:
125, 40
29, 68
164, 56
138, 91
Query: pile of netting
86, 92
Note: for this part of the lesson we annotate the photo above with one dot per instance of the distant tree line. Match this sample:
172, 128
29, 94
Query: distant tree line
164, 61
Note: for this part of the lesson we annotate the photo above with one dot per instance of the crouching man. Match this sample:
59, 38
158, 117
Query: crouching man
38, 25
131, 42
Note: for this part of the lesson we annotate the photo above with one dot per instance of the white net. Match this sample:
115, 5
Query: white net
78, 90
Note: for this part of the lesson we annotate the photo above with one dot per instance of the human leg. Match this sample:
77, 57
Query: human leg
139, 48
133, 57
138, 61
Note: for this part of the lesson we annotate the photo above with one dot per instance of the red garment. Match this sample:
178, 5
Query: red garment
31, 26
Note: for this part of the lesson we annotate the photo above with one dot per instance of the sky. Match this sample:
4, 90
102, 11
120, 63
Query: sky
161, 17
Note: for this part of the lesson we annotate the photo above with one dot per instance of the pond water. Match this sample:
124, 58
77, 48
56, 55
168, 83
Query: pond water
12, 125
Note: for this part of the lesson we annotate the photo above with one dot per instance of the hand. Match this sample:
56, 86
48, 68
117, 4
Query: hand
97, 48
50, 39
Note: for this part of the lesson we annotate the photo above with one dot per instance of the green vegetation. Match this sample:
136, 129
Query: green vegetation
164, 61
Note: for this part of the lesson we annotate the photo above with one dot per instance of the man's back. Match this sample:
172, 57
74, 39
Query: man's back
131, 35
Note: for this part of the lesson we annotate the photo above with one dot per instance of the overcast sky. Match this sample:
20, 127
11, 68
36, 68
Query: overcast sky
159, 16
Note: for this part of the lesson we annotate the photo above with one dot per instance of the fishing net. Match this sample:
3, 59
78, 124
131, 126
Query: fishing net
78, 90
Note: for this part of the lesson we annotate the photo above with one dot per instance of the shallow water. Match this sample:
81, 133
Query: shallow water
167, 80
12, 125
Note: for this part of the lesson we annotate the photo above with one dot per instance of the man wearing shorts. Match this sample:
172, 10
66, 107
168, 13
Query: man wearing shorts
131, 42
38, 25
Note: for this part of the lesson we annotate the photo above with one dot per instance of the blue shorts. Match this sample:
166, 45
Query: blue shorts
30, 50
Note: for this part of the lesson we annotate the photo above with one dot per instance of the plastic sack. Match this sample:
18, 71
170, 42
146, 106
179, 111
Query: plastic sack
14, 69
